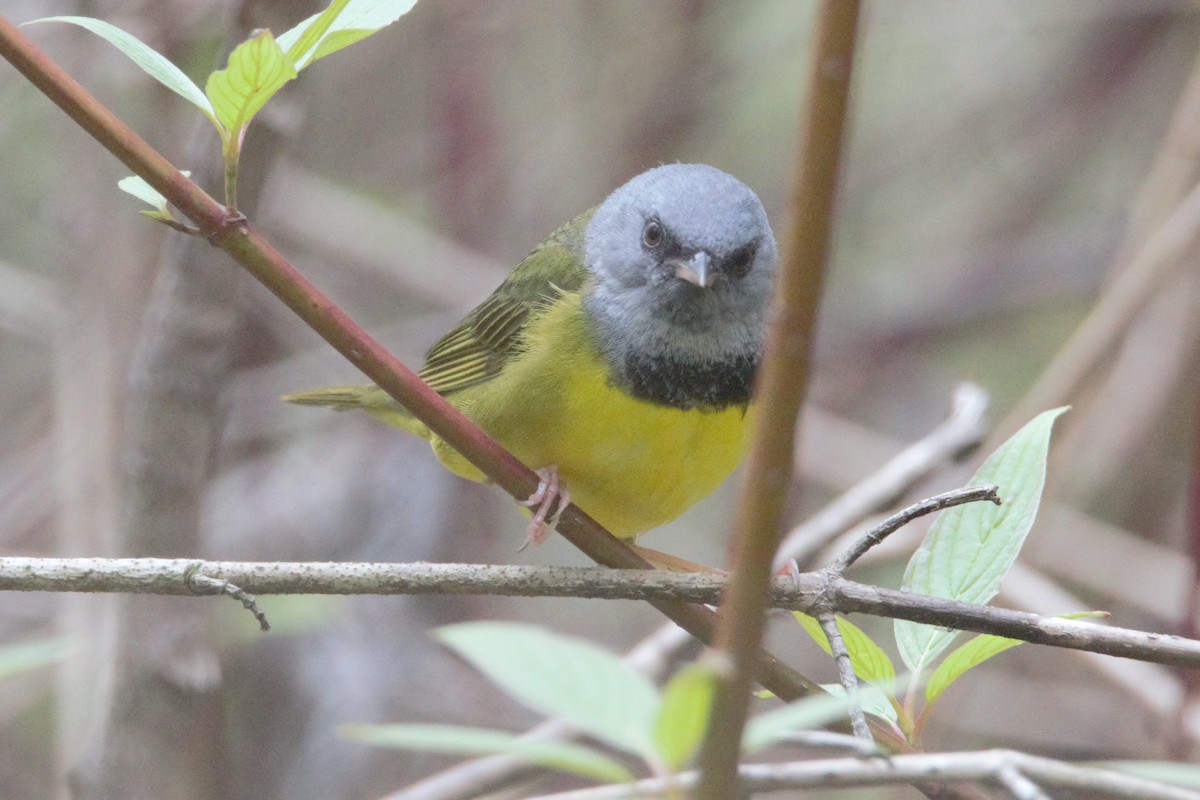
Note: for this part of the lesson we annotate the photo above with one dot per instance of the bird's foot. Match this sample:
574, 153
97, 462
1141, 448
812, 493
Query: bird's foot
550, 495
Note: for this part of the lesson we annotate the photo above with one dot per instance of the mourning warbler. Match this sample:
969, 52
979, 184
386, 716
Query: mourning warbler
619, 355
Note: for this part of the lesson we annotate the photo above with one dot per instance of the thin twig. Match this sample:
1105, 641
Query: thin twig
833, 740
167, 576
781, 385
901, 518
985, 766
846, 674
202, 584
1021, 787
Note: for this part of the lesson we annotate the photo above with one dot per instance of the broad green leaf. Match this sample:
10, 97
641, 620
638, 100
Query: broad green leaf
314, 31
256, 70
23, 657
1173, 772
150, 60
970, 548
971, 654
683, 718
562, 756
870, 662
873, 700
357, 21
562, 676
976, 651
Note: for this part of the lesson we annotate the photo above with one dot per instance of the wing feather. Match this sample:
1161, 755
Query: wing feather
476, 350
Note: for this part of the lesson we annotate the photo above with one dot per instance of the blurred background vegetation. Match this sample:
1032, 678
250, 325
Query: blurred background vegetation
1008, 159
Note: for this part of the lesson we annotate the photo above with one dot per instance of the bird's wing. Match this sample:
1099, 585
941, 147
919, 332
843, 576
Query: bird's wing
476, 350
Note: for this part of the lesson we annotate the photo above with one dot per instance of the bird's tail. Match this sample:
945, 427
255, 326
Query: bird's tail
369, 398
339, 398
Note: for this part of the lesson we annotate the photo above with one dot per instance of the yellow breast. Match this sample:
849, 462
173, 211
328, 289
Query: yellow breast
630, 464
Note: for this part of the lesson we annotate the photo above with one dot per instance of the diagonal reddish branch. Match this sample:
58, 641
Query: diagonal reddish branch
232, 233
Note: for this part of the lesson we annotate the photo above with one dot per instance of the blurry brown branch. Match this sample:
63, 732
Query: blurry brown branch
781, 386
958, 433
175, 576
232, 233
987, 766
1164, 224
1127, 293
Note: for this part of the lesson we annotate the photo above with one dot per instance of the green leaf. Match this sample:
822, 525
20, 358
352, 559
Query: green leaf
1185, 775
562, 756
686, 702
143, 191
870, 663
314, 31
970, 548
812, 712
972, 654
256, 70
150, 60
357, 21
23, 657
562, 676
873, 700
976, 651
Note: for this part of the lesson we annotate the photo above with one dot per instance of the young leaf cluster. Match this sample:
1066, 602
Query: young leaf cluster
254, 72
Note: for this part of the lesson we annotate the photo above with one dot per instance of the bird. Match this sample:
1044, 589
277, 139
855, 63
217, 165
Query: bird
618, 358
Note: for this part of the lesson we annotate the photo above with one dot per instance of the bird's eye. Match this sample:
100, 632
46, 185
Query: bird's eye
652, 234
738, 263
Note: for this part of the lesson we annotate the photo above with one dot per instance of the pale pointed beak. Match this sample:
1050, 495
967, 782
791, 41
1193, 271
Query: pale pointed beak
696, 270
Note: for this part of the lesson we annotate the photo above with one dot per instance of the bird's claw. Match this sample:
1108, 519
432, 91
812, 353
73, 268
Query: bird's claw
550, 494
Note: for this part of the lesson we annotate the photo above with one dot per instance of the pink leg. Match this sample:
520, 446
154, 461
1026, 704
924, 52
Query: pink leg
549, 495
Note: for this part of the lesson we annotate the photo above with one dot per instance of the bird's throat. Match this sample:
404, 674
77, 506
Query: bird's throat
667, 379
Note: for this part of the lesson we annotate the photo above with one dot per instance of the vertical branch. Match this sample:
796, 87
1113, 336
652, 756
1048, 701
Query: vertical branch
782, 381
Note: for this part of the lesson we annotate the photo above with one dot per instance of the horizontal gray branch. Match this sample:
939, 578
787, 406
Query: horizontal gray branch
987, 766
180, 577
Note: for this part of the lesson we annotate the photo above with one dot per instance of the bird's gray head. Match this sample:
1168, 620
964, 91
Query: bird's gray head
682, 261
